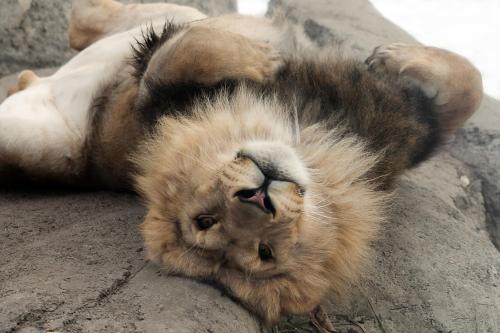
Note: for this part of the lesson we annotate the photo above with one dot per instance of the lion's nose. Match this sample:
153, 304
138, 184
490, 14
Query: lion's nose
258, 197
276, 161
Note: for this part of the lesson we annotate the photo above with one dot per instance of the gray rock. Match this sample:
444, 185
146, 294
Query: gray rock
488, 116
435, 268
73, 262
33, 33
480, 149
209, 7
355, 23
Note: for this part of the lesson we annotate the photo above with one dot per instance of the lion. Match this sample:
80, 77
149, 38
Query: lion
265, 164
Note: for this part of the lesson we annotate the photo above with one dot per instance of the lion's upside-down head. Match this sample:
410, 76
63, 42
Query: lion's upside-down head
236, 195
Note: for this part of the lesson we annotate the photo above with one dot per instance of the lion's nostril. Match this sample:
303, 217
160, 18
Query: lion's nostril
269, 205
245, 194
258, 197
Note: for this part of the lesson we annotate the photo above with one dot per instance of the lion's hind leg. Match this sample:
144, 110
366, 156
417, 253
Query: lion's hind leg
451, 81
36, 139
92, 20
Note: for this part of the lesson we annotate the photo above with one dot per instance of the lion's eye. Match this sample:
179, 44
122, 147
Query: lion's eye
204, 222
265, 252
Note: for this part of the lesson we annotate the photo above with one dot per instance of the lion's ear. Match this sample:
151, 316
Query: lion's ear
158, 235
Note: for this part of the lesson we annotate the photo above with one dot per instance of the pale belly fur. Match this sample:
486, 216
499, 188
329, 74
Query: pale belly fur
46, 124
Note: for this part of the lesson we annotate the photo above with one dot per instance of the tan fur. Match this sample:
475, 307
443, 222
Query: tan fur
200, 54
208, 55
118, 135
320, 240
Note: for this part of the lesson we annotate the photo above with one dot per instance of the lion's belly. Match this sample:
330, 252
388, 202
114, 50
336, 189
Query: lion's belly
43, 129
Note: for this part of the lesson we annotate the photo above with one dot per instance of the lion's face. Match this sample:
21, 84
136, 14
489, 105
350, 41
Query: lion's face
246, 213
234, 196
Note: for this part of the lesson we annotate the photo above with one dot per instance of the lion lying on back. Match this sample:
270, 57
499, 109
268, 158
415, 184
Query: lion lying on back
262, 169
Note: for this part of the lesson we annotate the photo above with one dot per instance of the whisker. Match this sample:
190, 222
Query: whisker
317, 214
322, 206
248, 275
296, 123
187, 251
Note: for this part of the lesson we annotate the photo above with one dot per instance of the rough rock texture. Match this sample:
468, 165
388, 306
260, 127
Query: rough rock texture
73, 261
436, 268
480, 149
209, 7
33, 32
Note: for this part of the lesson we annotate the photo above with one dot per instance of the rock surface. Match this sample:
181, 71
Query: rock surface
33, 33
479, 148
436, 268
73, 261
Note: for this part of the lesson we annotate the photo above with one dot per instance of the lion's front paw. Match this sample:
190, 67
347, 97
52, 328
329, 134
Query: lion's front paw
451, 81
389, 58
410, 62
